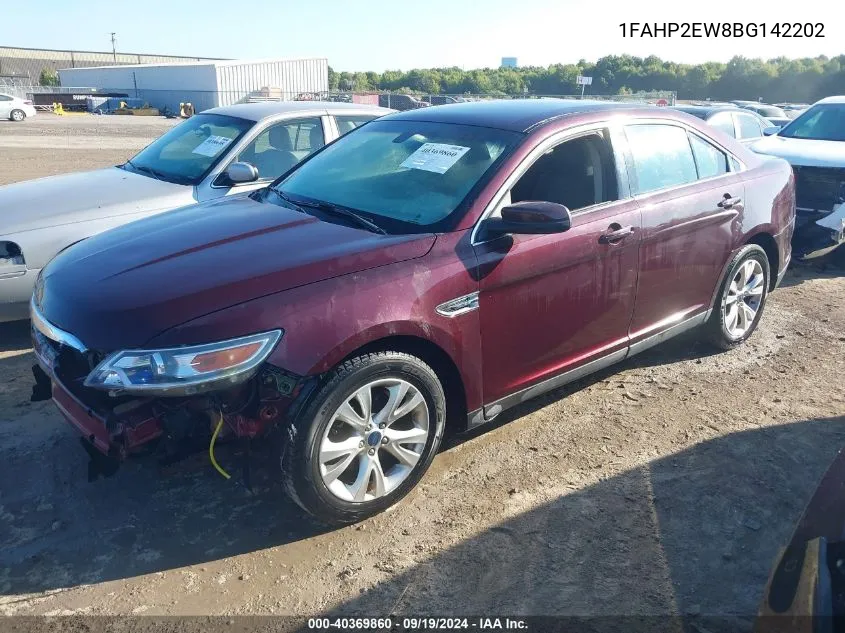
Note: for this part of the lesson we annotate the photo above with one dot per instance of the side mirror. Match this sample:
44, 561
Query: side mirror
530, 217
239, 173
769, 131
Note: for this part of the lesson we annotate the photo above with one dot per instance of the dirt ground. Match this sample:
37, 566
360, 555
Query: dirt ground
664, 485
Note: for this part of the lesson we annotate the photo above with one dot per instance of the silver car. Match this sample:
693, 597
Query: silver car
220, 152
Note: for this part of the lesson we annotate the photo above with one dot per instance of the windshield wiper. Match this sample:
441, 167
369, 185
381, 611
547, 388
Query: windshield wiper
332, 208
146, 170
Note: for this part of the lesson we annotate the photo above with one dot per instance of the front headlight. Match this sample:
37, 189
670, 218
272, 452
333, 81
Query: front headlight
184, 371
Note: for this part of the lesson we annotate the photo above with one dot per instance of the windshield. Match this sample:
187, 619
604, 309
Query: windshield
823, 122
404, 175
186, 153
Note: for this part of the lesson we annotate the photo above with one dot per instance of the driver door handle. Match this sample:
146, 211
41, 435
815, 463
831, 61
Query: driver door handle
729, 202
616, 233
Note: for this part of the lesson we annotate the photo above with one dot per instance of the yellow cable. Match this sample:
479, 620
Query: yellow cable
211, 448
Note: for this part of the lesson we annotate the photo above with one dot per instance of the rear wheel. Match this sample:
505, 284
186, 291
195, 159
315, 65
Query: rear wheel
366, 437
17, 115
742, 297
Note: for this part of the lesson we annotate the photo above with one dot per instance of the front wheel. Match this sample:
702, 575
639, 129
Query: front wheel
742, 297
366, 437
17, 115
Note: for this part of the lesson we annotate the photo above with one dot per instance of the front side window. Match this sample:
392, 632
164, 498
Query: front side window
283, 145
346, 124
662, 156
723, 121
186, 153
710, 160
749, 127
822, 122
405, 174
578, 173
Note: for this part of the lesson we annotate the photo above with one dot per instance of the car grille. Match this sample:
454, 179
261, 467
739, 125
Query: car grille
818, 189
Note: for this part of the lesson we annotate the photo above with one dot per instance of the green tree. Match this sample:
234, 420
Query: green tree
48, 77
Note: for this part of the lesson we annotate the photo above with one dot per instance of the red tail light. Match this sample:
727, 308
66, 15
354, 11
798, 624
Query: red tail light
27, 102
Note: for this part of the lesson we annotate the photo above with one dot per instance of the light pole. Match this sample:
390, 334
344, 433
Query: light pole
113, 50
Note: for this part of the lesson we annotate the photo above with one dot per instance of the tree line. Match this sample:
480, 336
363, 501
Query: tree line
773, 80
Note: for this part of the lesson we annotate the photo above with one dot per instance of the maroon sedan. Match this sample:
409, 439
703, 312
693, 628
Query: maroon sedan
424, 272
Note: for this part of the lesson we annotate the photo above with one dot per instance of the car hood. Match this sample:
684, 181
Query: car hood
803, 152
121, 288
77, 197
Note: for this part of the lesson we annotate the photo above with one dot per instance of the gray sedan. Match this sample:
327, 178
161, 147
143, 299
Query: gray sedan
219, 152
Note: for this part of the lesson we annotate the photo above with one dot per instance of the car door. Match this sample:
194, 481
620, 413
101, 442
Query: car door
691, 200
273, 149
5, 106
549, 304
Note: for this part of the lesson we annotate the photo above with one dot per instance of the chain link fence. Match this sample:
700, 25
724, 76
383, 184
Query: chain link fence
170, 101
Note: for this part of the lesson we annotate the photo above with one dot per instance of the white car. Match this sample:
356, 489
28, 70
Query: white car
15, 108
814, 143
220, 152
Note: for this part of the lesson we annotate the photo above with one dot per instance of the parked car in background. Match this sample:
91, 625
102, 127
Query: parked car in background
814, 143
777, 122
764, 110
744, 125
792, 110
217, 153
431, 268
445, 99
15, 108
401, 102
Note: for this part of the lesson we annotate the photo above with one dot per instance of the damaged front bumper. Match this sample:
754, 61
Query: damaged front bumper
114, 426
820, 211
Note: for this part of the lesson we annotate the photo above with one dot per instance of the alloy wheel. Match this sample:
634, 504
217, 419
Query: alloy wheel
17, 115
374, 440
744, 298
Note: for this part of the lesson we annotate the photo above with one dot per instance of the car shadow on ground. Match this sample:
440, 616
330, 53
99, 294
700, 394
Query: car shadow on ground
624, 546
829, 266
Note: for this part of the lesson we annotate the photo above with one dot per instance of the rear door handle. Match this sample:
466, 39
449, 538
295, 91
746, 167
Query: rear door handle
616, 233
729, 202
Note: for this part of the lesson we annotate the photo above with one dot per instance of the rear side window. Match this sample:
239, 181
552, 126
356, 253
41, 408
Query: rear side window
662, 156
5, 98
710, 160
724, 122
748, 126
346, 124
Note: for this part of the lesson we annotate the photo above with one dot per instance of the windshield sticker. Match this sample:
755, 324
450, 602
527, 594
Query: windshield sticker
435, 157
212, 146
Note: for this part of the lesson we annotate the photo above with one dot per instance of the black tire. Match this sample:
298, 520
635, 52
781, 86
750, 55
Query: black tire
716, 330
17, 115
300, 453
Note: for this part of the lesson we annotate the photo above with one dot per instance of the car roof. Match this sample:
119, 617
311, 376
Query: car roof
263, 109
518, 115
834, 99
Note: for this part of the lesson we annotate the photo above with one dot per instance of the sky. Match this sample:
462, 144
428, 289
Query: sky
403, 34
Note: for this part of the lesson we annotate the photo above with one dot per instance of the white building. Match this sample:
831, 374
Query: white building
205, 84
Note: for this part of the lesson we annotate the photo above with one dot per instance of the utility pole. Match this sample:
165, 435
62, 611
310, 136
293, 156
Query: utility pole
113, 50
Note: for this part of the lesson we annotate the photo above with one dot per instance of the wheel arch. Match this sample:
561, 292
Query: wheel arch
767, 242
435, 357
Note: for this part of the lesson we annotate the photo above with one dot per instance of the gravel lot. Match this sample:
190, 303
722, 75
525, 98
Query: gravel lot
664, 485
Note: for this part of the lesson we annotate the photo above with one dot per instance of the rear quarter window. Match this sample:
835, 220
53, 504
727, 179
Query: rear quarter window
661, 155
